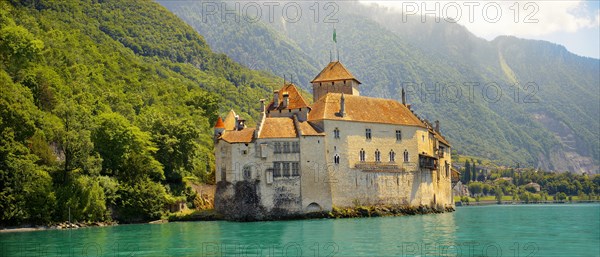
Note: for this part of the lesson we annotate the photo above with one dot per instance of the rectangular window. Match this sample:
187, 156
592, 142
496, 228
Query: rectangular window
295, 169
368, 133
286, 169
269, 175
441, 152
223, 174
277, 147
277, 169
398, 135
295, 147
286, 147
336, 133
263, 150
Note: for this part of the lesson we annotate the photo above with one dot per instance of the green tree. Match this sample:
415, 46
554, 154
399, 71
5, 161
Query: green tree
126, 151
561, 196
467, 172
143, 200
74, 137
476, 188
473, 171
499, 195
18, 47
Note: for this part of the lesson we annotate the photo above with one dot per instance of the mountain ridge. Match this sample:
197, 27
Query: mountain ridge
386, 53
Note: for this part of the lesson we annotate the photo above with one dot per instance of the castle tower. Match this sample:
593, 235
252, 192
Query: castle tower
334, 78
219, 128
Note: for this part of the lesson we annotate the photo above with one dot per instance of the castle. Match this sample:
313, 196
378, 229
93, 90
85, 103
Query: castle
342, 150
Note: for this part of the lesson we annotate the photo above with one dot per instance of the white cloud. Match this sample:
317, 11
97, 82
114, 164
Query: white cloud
533, 18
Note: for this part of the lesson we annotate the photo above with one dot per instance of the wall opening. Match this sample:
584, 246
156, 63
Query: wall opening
314, 207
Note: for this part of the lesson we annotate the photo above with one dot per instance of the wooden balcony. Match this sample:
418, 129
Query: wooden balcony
428, 161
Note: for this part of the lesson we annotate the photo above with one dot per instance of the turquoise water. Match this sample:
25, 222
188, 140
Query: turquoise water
508, 230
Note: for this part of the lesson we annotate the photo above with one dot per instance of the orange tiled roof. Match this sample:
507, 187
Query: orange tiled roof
440, 138
334, 71
280, 127
363, 109
238, 136
295, 99
220, 123
309, 130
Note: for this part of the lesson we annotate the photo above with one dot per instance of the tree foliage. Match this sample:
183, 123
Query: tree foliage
104, 104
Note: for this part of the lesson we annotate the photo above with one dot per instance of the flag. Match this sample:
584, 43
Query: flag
334, 38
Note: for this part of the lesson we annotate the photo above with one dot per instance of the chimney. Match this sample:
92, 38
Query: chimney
286, 99
262, 106
403, 97
276, 98
342, 106
437, 126
241, 124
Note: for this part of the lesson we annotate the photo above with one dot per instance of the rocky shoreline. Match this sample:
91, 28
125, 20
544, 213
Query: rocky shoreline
61, 225
335, 213
211, 215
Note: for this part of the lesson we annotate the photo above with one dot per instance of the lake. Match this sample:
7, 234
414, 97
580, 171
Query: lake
495, 230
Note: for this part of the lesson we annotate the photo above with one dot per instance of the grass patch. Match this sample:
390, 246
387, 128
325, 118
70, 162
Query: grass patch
195, 215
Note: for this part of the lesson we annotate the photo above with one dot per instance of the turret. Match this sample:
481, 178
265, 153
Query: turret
219, 128
334, 78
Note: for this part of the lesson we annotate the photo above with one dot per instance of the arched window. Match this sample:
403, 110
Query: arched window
336, 133
405, 155
377, 155
361, 155
336, 159
392, 156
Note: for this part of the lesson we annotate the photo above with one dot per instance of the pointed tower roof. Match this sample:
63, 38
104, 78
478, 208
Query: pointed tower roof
333, 72
230, 120
220, 123
296, 100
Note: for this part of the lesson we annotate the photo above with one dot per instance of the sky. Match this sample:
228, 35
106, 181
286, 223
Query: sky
574, 24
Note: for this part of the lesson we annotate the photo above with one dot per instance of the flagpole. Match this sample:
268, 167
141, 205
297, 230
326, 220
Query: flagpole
335, 42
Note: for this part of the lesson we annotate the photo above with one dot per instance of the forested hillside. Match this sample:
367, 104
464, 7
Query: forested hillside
106, 109
533, 105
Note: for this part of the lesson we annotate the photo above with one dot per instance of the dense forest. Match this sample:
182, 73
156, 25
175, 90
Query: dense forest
545, 115
106, 109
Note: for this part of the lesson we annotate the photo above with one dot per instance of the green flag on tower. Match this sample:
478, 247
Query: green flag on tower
334, 39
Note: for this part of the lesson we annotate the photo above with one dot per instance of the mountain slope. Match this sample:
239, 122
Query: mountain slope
386, 54
106, 109
244, 39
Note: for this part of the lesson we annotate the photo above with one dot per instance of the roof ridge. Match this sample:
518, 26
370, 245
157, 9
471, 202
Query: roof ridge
334, 70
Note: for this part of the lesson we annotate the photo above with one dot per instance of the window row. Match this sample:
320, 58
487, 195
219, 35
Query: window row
287, 147
362, 155
286, 169
368, 134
